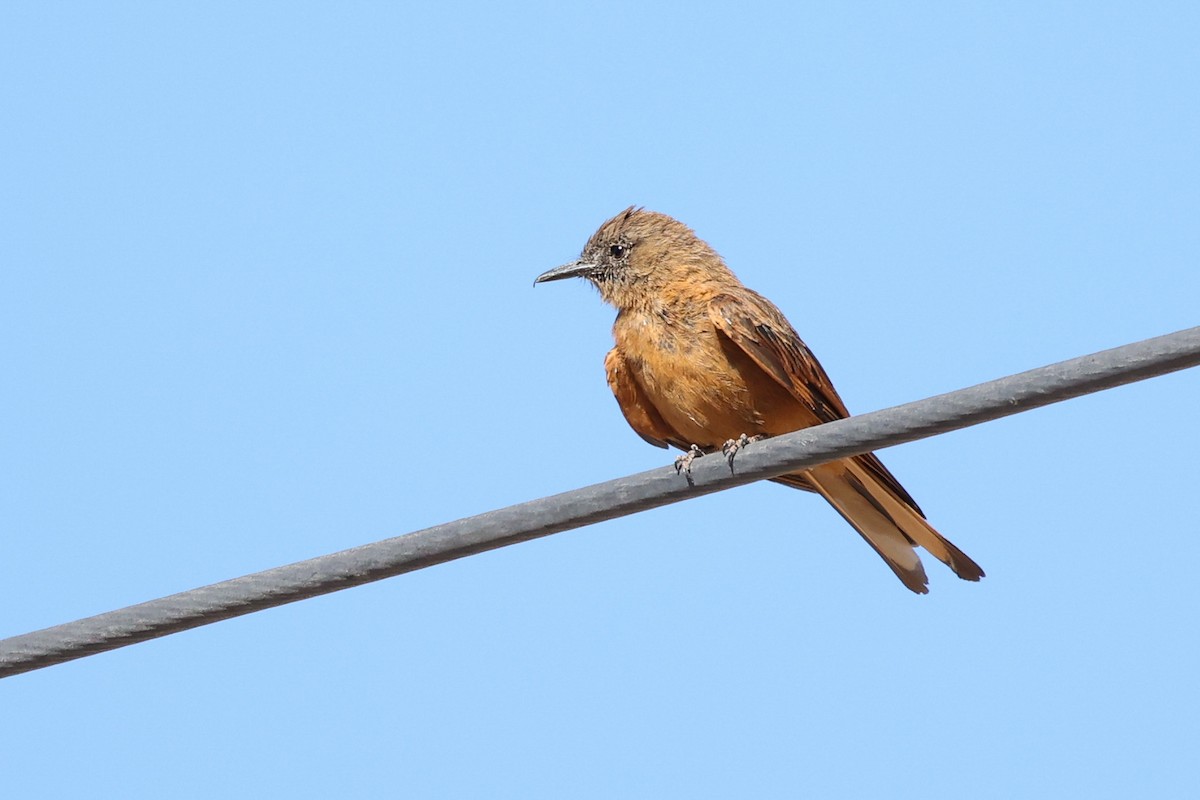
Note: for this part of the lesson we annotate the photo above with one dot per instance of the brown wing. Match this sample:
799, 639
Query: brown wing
636, 406
755, 325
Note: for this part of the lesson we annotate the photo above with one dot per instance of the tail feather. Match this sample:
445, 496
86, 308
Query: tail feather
920, 531
886, 521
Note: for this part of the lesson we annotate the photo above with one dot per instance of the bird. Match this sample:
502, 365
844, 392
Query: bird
702, 363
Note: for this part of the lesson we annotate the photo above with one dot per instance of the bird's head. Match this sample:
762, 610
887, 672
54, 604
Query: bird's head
636, 253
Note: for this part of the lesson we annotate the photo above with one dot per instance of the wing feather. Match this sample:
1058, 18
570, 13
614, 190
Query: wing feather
755, 325
639, 412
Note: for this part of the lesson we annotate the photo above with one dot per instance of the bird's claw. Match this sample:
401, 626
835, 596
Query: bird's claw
684, 463
731, 447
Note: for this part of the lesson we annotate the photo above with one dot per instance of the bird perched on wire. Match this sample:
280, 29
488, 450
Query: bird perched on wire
702, 363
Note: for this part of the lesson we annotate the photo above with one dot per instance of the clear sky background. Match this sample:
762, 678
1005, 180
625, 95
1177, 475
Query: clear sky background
266, 294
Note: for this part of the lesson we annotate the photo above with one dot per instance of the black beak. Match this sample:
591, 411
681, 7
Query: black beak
576, 269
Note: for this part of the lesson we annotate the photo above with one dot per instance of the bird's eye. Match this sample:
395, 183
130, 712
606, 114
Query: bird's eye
617, 251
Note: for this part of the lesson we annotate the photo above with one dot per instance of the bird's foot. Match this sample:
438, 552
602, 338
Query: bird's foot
684, 463
731, 447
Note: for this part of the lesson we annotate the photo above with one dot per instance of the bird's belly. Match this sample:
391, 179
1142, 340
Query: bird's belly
709, 400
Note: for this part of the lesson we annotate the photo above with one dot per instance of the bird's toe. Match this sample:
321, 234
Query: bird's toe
733, 446
684, 462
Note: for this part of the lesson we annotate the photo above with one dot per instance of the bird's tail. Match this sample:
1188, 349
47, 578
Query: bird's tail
888, 522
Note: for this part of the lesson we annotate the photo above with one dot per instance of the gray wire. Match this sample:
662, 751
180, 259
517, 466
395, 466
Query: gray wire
542, 517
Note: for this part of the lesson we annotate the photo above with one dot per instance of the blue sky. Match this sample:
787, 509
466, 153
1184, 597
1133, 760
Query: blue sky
267, 294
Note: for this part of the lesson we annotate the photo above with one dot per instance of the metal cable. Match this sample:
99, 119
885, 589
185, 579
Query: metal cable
542, 517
